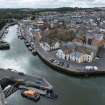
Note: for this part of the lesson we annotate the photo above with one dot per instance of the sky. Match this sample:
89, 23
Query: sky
50, 3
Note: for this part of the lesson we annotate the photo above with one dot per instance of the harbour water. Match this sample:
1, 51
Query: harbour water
71, 90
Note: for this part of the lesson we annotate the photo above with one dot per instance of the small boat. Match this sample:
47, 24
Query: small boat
31, 94
30, 48
20, 37
27, 44
34, 52
4, 45
50, 94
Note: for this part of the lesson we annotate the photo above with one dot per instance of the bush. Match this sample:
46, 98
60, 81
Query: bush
61, 34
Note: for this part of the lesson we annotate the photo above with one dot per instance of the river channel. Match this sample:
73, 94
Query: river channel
71, 90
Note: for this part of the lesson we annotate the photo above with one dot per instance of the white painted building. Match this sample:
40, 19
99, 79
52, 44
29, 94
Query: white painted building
75, 56
60, 54
80, 57
55, 46
45, 46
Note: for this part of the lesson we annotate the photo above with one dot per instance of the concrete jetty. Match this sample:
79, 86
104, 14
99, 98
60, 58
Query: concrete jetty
15, 75
9, 76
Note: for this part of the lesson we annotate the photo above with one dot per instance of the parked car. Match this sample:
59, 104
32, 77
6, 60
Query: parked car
56, 62
91, 68
95, 68
51, 60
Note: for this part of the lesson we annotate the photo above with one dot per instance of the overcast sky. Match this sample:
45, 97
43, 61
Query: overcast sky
50, 3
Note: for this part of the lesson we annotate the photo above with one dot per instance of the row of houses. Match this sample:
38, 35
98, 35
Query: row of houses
75, 56
47, 47
94, 36
69, 53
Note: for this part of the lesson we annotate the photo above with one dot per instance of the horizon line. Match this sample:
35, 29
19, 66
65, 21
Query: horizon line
49, 7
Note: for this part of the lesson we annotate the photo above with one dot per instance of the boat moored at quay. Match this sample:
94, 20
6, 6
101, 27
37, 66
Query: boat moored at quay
28, 40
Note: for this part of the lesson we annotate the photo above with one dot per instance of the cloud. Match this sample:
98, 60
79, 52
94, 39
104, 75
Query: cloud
50, 3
